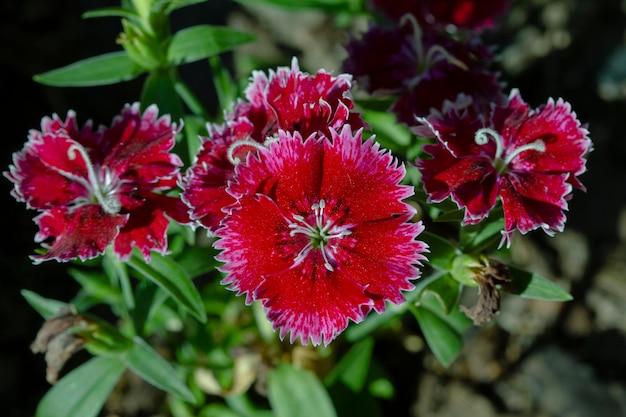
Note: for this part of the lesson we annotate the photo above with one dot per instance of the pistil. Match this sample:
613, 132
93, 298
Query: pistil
426, 59
102, 191
503, 157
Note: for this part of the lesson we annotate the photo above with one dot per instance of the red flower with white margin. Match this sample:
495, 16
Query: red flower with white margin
529, 158
320, 234
287, 99
95, 188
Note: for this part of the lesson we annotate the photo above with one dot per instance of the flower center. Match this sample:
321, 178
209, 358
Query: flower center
320, 234
102, 188
503, 157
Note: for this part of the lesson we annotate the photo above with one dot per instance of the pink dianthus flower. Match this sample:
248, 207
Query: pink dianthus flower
422, 67
319, 233
529, 159
102, 187
473, 15
287, 99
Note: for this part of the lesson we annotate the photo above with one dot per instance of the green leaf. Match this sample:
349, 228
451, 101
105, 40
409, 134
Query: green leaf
441, 252
173, 279
476, 238
103, 69
97, 285
442, 340
83, 391
154, 369
178, 4
46, 307
447, 290
453, 216
198, 260
297, 392
111, 12
357, 331
443, 332
530, 285
159, 88
389, 133
225, 86
145, 302
353, 367
202, 41
242, 406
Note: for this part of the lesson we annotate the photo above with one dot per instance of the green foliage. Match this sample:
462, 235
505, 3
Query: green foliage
172, 279
178, 299
204, 41
297, 392
82, 392
110, 68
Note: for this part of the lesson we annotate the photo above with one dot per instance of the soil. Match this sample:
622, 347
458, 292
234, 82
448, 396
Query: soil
535, 359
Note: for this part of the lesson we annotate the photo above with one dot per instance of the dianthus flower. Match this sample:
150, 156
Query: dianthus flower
102, 187
319, 233
474, 15
528, 158
287, 99
422, 67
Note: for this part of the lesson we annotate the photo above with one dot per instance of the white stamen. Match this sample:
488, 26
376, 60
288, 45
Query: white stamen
537, 145
320, 233
483, 135
107, 200
430, 55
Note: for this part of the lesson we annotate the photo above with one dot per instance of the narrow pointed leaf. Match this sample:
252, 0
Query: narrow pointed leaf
103, 69
444, 342
173, 279
177, 4
154, 369
46, 307
297, 392
443, 332
202, 41
353, 367
159, 87
83, 391
112, 12
447, 290
530, 285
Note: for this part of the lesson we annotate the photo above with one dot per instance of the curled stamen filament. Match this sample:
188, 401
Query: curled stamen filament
447, 55
427, 58
238, 143
537, 145
483, 135
110, 205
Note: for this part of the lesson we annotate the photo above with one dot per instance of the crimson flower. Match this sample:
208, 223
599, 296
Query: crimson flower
287, 99
528, 158
319, 233
422, 67
475, 15
99, 187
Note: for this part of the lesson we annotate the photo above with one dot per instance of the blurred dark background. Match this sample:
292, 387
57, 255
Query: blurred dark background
573, 49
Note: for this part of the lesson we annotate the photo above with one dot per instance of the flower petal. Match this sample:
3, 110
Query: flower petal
64, 232
533, 201
357, 173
